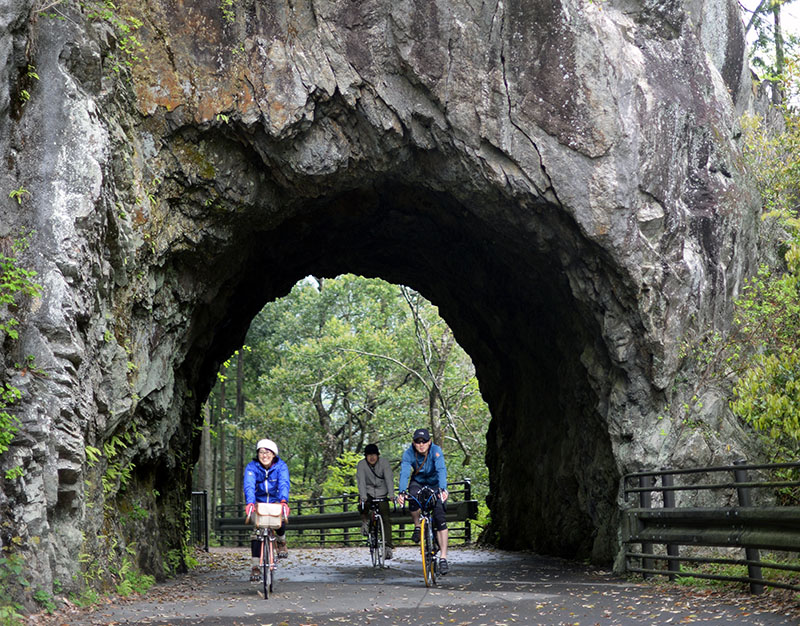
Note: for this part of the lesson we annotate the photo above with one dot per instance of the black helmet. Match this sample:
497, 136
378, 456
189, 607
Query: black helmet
371, 448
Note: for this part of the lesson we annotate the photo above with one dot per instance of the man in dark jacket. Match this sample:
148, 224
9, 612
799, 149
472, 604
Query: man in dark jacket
423, 465
375, 480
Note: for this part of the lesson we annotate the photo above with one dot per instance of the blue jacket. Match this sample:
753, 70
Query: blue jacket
432, 470
261, 485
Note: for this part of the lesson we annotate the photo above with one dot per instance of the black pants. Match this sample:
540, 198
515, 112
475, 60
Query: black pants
383, 508
439, 522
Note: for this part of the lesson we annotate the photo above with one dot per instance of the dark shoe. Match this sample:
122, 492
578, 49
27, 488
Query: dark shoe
388, 554
255, 574
283, 551
443, 568
415, 535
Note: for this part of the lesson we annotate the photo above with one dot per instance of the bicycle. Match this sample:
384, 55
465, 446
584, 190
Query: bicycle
375, 534
429, 544
268, 517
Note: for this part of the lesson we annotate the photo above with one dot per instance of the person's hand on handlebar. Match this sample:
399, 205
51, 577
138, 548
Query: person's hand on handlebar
443, 494
249, 511
401, 498
285, 509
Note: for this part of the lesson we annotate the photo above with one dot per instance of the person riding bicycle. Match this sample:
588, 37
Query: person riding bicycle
423, 465
266, 479
375, 480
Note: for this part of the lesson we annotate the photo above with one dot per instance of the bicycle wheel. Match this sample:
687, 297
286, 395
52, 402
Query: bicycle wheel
266, 574
372, 540
272, 560
380, 542
426, 547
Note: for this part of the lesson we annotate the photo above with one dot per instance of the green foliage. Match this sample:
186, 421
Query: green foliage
10, 615
12, 576
774, 161
132, 581
8, 423
341, 476
45, 600
14, 473
735, 570
483, 519
767, 395
172, 561
228, 13
15, 281
87, 597
338, 363
21, 192
767, 320
129, 47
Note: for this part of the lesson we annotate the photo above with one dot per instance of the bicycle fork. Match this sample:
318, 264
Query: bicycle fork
265, 552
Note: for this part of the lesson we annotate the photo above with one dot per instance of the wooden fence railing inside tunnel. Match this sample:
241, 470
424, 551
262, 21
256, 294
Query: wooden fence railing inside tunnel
745, 526
335, 520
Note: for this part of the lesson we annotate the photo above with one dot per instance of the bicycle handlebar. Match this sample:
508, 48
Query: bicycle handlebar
426, 506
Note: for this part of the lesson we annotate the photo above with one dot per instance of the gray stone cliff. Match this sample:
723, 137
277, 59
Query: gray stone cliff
561, 177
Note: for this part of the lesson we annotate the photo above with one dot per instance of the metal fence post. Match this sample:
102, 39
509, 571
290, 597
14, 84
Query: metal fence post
467, 522
199, 518
322, 530
751, 554
644, 503
205, 520
674, 566
346, 531
299, 513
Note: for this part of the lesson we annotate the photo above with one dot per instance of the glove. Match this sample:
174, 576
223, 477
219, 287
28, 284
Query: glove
250, 508
285, 509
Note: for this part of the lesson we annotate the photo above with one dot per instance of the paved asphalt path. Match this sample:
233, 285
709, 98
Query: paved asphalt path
485, 587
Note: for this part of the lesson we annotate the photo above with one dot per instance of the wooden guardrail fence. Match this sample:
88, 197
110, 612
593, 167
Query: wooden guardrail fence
335, 520
751, 528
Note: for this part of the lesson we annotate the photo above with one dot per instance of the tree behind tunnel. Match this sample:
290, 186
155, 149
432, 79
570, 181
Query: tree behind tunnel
339, 363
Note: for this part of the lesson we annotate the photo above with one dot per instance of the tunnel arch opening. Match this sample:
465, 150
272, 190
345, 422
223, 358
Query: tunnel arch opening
509, 295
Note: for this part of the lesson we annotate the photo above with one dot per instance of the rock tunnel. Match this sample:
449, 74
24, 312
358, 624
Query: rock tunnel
510, 307
563, 181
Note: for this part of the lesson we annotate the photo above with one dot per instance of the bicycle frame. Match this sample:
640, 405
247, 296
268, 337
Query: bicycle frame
267, 560
429, 544
375, 534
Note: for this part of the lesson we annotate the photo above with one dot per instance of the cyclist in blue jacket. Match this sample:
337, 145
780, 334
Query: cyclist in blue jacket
266, 479
423, 464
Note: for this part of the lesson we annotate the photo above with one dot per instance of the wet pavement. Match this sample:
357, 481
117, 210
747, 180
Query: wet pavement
484, 588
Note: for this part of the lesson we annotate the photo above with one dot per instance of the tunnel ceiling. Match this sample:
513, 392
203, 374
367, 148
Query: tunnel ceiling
564, 182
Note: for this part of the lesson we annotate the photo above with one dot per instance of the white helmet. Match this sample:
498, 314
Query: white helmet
268, 444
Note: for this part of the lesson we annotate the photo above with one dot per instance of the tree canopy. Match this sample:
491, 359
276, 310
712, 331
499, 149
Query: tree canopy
339, 363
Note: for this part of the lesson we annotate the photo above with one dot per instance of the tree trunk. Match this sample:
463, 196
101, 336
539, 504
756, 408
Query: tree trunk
329, 442
223, 457
214, 462
777, 84
239, 418
206, 464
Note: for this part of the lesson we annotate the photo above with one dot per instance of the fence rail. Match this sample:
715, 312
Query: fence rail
335, 520
748, 527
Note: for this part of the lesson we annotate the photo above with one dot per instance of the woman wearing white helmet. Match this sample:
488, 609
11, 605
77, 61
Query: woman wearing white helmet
266, 479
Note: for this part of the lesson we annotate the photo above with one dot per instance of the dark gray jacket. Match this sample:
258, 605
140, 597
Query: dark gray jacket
374, 482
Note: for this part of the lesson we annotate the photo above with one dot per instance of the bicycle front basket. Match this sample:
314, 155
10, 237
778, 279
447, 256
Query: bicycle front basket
268, 514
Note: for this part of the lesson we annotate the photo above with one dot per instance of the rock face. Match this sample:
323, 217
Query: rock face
561, 178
